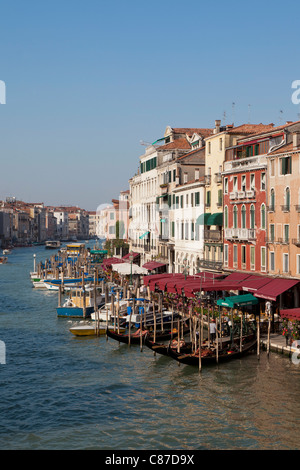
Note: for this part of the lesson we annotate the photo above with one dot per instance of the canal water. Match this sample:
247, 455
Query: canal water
58, 391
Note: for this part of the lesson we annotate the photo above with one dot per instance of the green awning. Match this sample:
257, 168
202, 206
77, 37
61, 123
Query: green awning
99, 252
203, 218
144, 234
238, 301
215, 219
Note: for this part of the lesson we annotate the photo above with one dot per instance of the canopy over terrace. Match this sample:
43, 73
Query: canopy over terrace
134, 255
234, 301
128, 268
152, 265
291, 313
110, 261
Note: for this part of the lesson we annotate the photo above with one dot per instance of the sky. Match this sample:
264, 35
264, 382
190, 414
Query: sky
88, 81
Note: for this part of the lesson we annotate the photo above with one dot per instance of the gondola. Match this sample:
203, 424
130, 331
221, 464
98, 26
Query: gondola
208, 356
185, 348
135, 337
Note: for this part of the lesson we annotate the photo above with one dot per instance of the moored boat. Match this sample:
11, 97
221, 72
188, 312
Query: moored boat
210, 356
91, 330
3, 259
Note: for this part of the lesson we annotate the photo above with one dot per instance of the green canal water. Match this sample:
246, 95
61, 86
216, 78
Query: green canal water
62, 392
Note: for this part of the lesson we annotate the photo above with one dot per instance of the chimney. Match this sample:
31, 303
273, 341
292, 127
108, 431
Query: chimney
217, 126
296, 140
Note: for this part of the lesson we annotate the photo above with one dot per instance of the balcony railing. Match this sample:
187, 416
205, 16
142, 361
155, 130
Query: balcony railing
296, 241
212, 235
297, 207
285, 208
240, 233
271, 208
209, 264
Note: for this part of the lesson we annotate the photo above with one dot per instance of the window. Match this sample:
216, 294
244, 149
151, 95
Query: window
209, 147
285, 262
235, 217
208, 199
235, 255
243, 256
243, 187
263, 258
221, 144
285, 165
181, 202
111, 230
186, 230
272, 232
235, 186
226, 217
263, 216
174, 175
186, 200
192, 231
225, 255
252, 181
272, 199
286, 230
252, 216
287, 199
272, 261
197, 199
185, 178
197, 173
252, 257
192, 199
112, 216
177, 202
225, 185
263, 182
243, 216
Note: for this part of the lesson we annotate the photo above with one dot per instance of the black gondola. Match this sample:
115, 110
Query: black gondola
185, 348
209, 356
135, 337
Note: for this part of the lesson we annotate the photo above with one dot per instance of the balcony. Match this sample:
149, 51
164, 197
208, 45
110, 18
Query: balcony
209, 264
250, 193
218, 178
213, 235
297, 207
241, 194
285, 208
233, 195
240, 233
271, 208
296, 241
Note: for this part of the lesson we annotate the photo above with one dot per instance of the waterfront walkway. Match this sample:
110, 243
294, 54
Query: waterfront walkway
278, 344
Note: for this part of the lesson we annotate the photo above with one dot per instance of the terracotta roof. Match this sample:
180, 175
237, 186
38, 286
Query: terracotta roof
176, 144
273, 129
191, 130
251, 129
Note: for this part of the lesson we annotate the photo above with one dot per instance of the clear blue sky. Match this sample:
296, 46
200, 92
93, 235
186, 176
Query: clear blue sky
88, 80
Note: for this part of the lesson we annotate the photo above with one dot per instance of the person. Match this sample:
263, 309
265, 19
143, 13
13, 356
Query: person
212, 330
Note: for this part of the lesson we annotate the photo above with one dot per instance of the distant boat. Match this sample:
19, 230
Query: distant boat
3, 259
88, 330
7, 252
52, 244
73, 306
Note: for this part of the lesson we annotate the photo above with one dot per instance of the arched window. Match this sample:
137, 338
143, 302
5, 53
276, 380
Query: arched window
263, 216
272, 199
287, 199
235, 217
252, 216
243, 216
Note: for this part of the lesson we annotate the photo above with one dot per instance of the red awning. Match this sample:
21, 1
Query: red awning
135, 255
274, 288
110, 261
292, 313
153, 265
255, 283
